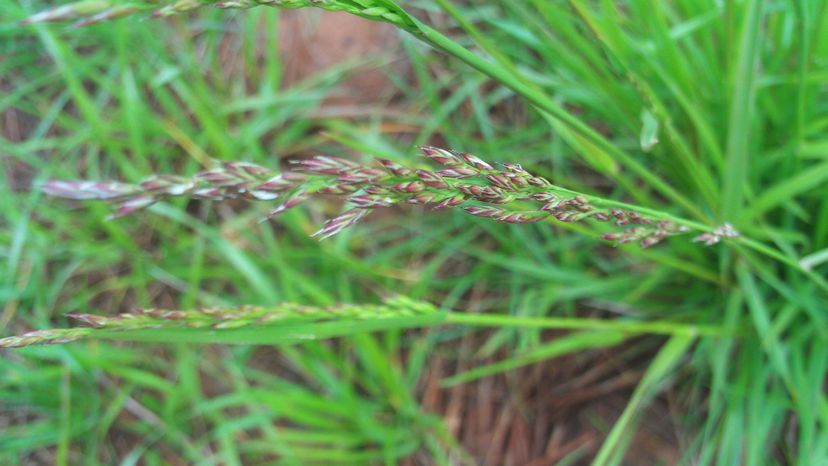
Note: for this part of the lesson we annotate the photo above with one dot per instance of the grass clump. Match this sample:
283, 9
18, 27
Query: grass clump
660, 116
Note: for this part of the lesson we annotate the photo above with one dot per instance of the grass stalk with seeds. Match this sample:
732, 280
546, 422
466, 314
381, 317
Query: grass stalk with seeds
465, 181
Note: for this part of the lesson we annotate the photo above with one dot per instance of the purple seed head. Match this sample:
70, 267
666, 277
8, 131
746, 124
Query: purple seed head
340, 188
370, 201
359, 176
472, 190
132, 205
276, 184
544, 197
247, 170
375, 189
85, 190
422, 198
653, 239
408, 187
169, 185
523, 217
709, 239
538, 182
108, 15
517, 180
325, 165
290, 203
484, 211
255, 194
68, 12
516, 169
501, 182
89, 319
395, 168
450, 202
553, 206
341, 222
220, 178
565, 216
474, 161
491, 194
294, 177
442, 156
431, 179
215, 194
458, 172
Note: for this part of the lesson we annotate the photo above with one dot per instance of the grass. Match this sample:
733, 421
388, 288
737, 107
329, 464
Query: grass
575, 91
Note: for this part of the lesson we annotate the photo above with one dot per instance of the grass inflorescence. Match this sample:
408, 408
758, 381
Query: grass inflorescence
88, 12
221, 319
464, 181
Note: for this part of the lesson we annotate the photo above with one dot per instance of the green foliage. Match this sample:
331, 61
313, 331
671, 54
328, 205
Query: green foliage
732, 92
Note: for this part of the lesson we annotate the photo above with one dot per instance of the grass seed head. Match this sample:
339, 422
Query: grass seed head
291, 202
432, 179
72, 11
458, 172
395, 168
340, 222
465, 178
443, 156
89, 190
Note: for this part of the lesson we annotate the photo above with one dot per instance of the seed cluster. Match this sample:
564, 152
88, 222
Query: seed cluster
713, 237
508, 194
87, 12
220, 318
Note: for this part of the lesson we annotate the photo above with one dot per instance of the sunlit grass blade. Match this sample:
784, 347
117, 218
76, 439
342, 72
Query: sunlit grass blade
558, 347
763, 324
737, 165
786, 190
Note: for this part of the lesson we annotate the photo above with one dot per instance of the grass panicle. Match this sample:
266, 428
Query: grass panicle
88, 12
221, 319
509, 194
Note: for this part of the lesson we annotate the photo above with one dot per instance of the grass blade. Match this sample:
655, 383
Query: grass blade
558, 347
613, 448
736, 173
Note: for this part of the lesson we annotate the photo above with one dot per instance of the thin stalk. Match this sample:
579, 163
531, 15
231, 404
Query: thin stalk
775, 254
287, 324
572, 323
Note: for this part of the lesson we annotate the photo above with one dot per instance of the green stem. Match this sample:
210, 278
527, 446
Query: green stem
775, 254
291, 332
572, 323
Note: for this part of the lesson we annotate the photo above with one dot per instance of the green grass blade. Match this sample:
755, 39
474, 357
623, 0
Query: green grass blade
558, 347
670, 354
737, 163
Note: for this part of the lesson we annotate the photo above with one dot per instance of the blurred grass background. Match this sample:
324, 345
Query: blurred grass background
125, 99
